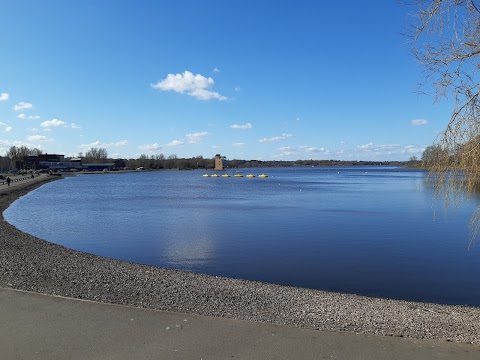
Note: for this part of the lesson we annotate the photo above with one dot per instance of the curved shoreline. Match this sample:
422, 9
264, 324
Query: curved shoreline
31, 264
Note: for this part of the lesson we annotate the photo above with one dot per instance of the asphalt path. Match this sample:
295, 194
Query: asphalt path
20, 180
36, 326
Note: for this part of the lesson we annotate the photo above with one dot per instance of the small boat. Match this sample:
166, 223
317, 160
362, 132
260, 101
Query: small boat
225, 175
215, 175
263, 176
206, 175
238, 175
250, 176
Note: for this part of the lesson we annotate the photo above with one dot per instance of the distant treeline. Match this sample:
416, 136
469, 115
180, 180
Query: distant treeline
202, 163
160, 161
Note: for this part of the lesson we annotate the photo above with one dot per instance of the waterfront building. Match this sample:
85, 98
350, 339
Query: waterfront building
220, 162
55, 163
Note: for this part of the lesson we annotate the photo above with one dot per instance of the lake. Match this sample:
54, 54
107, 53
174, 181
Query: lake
362, 230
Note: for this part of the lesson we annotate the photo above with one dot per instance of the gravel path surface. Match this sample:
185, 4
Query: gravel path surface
32, 264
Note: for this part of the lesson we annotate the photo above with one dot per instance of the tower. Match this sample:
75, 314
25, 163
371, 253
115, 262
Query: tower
220, 162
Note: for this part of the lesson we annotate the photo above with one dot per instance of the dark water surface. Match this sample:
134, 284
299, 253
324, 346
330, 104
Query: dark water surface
364, 230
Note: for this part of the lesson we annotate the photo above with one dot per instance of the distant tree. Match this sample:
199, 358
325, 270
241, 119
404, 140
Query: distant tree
432, 155
143, 160
36, 152
413, 161
119, 163
18, 153
96, 155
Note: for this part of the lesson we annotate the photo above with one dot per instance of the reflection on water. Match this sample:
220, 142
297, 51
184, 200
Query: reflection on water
190, 246
189, 252
365, 230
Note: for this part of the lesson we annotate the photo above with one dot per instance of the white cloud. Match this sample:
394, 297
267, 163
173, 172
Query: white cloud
75, 126
94, 144
175, 143
100, 144
53, 123
37, 138
216, 70
194, 138
4, 96
413, 149
418, 122
31, 117
120, 143
315, 150
285, 154
22, 106
287, 151
150, 147
187, 83
389, 149
371, 147
237, 145
286, 148
243, 127
6, 128
276, 138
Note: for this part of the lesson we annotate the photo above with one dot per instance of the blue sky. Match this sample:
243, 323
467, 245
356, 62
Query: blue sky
248, 79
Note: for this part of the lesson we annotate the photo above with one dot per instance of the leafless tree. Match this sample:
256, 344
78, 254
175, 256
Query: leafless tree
445, 38
96, 155
18, 153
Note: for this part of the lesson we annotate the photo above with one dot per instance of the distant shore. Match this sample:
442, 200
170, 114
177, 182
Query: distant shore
32, 264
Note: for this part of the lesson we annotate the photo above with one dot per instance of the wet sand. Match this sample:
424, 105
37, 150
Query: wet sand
31, 264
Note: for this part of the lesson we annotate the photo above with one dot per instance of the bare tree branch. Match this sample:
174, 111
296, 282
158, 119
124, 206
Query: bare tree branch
445, 39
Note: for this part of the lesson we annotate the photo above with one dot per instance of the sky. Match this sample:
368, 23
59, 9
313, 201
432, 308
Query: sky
259, 79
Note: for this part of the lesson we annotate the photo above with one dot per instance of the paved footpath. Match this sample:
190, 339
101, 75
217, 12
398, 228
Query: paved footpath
36, 326
19, 181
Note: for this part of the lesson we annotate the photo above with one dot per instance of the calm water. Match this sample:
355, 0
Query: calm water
359, 230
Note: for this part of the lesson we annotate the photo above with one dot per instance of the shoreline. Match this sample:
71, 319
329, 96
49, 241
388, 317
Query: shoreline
31, 264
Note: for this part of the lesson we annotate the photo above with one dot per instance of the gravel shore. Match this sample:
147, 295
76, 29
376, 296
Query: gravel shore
32, 264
